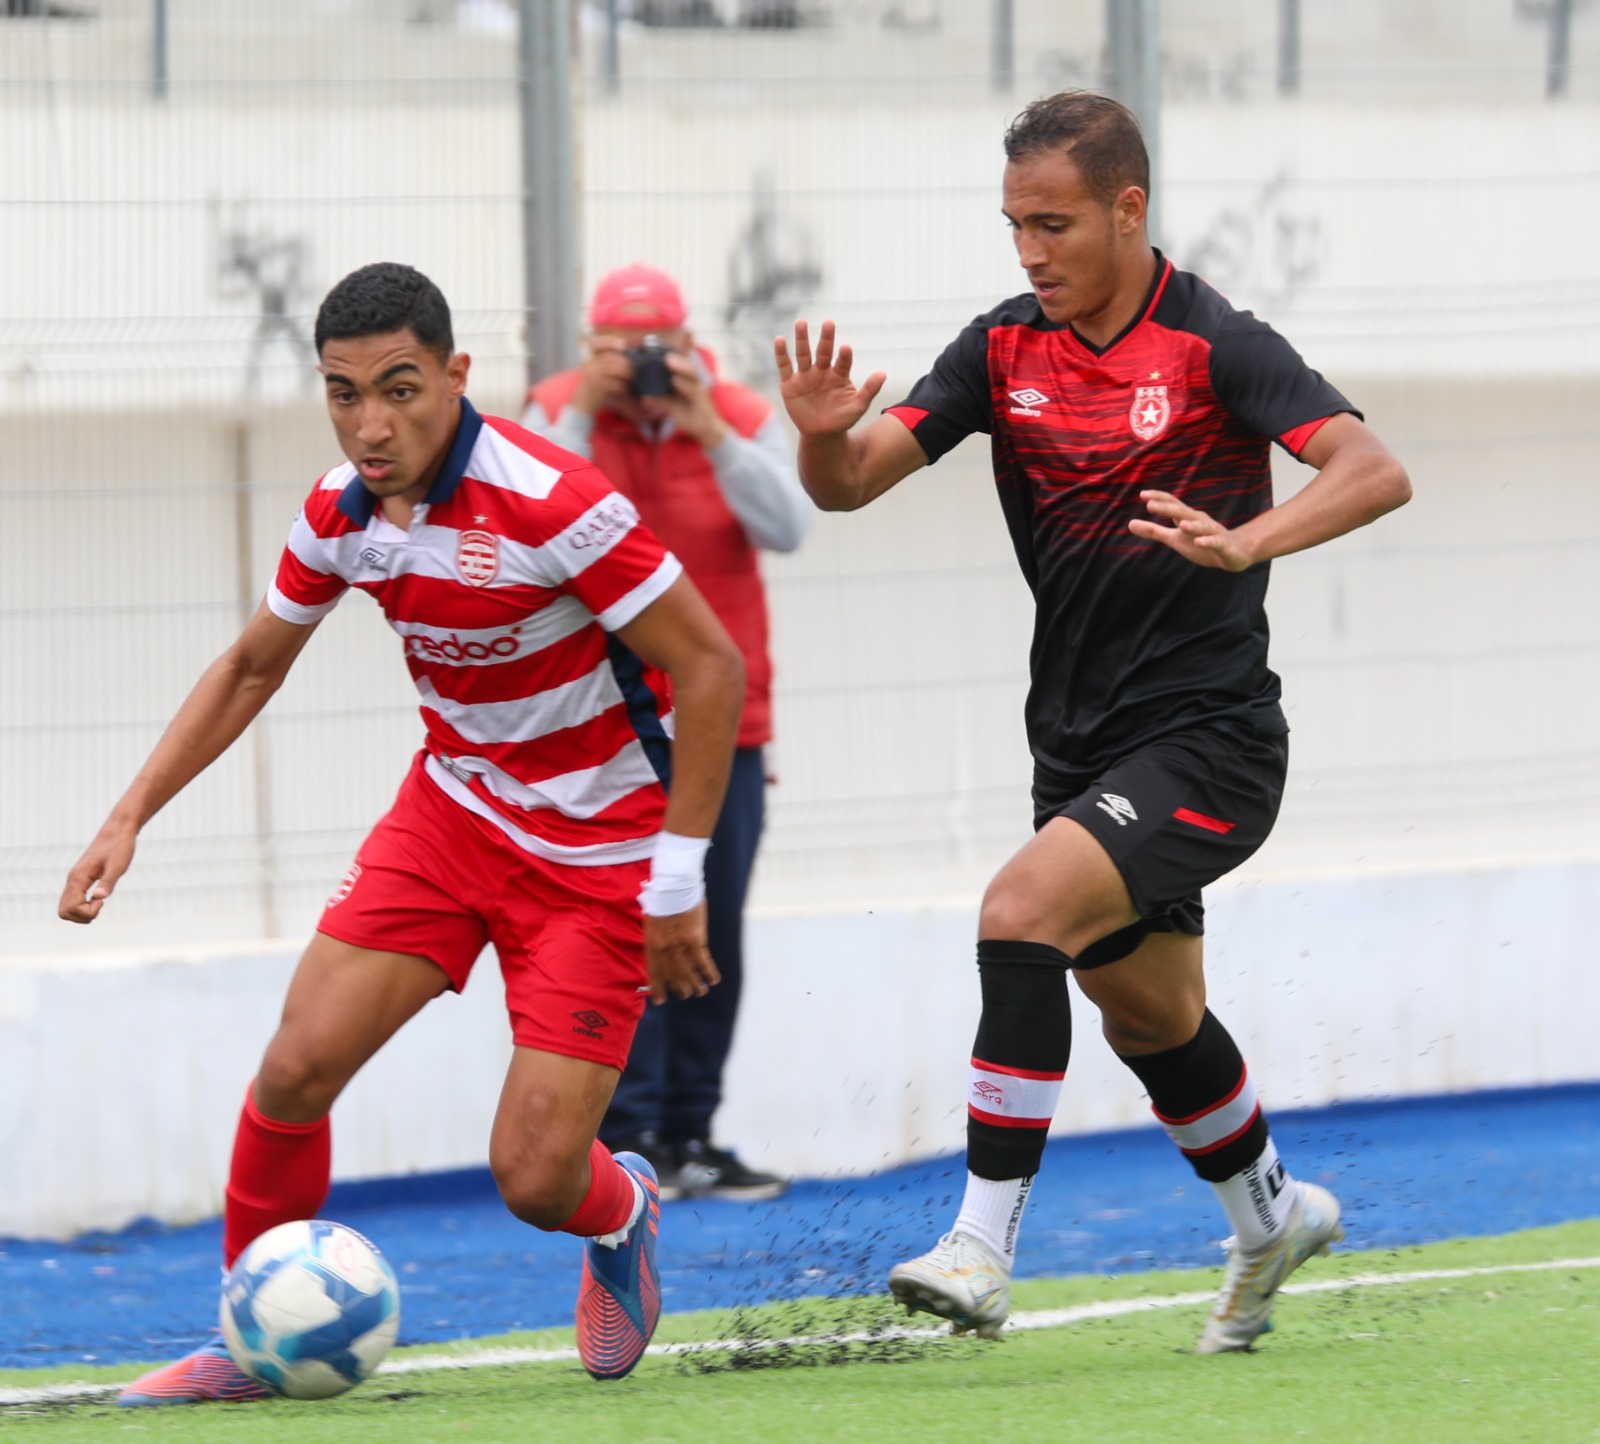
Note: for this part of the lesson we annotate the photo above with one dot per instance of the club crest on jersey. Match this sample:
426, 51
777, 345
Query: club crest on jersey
345, 887
1150, 412
478, 557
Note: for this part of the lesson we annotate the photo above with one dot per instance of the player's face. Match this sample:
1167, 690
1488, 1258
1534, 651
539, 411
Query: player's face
1075, 249
395, 405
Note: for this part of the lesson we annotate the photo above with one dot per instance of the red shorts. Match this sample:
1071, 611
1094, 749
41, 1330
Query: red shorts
434, 881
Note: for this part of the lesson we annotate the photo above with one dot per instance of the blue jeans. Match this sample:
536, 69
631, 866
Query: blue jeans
673, 1082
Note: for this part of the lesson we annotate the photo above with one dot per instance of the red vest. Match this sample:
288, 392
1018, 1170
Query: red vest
673, 484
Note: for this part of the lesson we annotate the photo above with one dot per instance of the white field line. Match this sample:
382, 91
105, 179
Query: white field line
1036, 1319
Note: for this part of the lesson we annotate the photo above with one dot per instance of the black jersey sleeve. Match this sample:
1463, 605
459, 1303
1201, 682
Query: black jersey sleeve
952, 400
1263, 382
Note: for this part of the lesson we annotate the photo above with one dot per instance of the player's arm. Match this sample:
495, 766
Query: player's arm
840, 469
1358, 479
229, 694
679, 633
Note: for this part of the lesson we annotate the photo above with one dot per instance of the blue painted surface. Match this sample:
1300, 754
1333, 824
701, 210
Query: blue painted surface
1406, 1172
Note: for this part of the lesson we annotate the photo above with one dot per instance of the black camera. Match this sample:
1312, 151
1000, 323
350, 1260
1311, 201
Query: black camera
651, 374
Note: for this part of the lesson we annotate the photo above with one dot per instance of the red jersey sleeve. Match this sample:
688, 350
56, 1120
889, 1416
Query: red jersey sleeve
308, 585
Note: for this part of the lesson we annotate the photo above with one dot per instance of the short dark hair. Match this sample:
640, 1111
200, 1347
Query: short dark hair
1101, 136
382, 297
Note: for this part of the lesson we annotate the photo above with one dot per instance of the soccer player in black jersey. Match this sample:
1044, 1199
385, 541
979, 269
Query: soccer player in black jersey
1130, 411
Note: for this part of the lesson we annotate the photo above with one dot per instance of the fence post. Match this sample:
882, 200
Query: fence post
1559, 70
158, 50
1288, 47
257, 740
613, 51
549, 191
1133, 76
1002, 46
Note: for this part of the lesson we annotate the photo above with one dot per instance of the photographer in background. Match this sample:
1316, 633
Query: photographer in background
707, 463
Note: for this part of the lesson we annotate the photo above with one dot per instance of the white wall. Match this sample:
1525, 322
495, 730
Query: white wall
121, 1075
1457, 246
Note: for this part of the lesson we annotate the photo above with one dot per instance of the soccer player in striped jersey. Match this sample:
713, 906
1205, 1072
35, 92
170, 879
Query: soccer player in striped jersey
1131, 410
564, 663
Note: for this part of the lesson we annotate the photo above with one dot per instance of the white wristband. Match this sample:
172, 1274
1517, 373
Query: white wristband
677, 876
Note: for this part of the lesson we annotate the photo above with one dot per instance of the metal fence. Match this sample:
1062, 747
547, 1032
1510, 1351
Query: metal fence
182, 181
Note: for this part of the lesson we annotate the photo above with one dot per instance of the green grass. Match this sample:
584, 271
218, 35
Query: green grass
1511, 1356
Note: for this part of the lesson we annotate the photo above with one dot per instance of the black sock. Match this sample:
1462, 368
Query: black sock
1202, 1095
1019, 1057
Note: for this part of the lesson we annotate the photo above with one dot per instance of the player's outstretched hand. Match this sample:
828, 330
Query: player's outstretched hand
1192, 534
95, 874
676, 955
818, 393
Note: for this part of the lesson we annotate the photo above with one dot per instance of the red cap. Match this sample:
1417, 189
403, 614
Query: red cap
638, 296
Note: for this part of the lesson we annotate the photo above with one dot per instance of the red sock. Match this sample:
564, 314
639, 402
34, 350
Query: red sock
280, 1173
609, 1201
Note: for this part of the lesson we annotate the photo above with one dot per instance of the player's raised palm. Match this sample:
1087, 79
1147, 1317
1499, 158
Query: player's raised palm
818, 393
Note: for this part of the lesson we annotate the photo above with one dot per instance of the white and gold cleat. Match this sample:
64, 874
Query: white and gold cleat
1243, 1311
961, 1279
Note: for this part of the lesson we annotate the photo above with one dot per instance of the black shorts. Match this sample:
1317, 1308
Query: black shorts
1175, 816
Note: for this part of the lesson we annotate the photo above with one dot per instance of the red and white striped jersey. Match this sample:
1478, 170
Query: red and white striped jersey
505, 588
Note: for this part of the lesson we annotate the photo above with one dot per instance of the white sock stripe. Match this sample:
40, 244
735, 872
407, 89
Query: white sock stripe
1011, 1096
1216, 1125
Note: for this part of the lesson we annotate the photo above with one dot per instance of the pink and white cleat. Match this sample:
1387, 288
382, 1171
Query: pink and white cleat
206, 1376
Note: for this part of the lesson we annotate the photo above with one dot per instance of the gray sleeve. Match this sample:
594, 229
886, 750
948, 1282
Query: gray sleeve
570, 431
762, 487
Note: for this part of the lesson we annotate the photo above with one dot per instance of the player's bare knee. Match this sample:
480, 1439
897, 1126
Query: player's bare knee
536, 1194
1132, 1030
293, 1085
1015, 915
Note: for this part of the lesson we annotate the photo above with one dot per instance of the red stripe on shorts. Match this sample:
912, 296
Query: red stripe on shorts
1199, 819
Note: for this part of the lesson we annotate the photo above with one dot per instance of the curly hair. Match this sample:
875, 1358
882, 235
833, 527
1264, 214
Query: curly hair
383, 297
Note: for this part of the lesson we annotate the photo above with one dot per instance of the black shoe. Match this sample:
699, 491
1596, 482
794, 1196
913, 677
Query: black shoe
707, 1172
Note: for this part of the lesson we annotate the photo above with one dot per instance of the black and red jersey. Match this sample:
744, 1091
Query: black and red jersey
1131, 642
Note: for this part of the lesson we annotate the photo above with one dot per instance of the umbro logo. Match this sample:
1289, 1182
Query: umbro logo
589, 1022
372, 556
989, 1092
1117, 807
1028, 401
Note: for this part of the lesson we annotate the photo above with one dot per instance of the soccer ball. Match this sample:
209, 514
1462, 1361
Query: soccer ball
310, 1309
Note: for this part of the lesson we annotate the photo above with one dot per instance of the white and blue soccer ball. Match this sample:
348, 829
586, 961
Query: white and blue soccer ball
310, 1309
